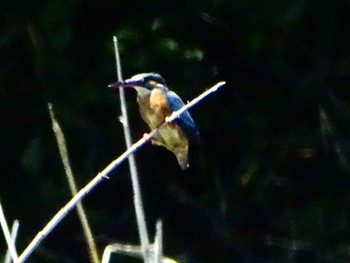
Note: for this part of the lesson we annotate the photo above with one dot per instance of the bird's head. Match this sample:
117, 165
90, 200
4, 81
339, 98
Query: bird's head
143, 82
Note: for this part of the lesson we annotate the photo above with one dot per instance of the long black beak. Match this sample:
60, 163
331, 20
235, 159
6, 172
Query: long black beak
126, 83
116, 84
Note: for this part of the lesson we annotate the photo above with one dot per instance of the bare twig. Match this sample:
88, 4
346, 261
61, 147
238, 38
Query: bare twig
72, 203
61, 142
99, 177
193, 102
7, 234
14, 232
158, 243
140, 215
123, 249
128, 250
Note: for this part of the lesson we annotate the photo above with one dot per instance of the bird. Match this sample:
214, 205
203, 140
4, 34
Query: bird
156, 103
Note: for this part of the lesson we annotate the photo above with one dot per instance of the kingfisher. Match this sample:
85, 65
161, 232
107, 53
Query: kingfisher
156, 103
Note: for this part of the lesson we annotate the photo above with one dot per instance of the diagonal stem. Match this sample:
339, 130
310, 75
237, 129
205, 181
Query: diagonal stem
100, 176
14, 232
7, 234
62, 147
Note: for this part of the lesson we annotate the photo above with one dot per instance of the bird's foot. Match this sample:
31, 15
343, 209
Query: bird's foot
167, 119
146, 137
169, 122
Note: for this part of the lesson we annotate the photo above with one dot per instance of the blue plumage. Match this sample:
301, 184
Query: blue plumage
185, 121
156, 102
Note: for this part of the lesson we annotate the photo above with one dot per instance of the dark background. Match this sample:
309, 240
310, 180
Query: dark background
270, 180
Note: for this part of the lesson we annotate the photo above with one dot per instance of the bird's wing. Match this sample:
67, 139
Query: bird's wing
185, 121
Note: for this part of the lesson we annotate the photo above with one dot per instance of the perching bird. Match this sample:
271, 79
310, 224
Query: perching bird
156, 102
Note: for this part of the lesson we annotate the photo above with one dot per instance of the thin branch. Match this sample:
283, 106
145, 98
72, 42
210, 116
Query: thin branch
128, 250
7, 234
117, 60
158, 243
14, 232
72, 203
140, 215
99, 177
193, 102
61, 142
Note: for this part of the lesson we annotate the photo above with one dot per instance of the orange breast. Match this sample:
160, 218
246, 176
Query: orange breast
159, 102
153, 108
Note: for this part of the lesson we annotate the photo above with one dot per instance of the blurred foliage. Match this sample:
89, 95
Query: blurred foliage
270, 181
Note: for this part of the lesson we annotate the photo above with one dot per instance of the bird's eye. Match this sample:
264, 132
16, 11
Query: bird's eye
153, 83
